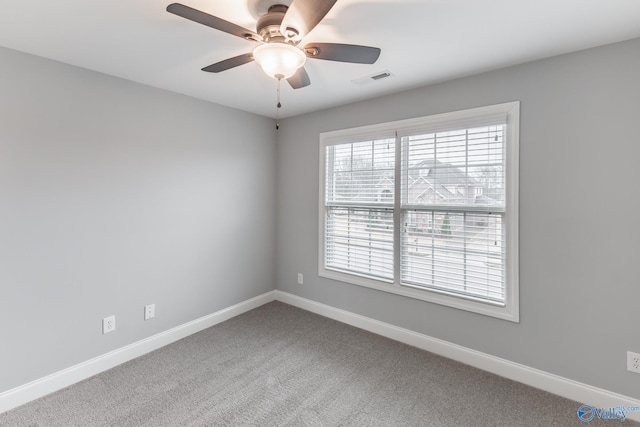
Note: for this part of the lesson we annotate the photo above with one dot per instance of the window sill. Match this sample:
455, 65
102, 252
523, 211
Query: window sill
509, 311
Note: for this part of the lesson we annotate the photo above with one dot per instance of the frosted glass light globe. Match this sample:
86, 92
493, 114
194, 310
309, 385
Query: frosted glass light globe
279, 60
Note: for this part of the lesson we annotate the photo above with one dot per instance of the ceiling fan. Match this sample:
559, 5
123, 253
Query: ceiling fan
278, 33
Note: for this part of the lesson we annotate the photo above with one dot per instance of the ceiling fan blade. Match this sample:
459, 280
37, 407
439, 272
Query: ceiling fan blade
299, 79
212, 21
304, 15
342, 52
229, 63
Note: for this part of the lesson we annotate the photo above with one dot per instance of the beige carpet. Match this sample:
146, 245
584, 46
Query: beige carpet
281, 366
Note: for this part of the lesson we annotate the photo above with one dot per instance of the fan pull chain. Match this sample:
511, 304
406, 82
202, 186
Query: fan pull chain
278, 105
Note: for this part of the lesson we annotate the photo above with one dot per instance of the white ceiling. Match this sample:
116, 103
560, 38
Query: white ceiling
422, 42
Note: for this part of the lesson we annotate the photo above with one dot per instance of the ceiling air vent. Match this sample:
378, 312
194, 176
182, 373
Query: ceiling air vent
381, 75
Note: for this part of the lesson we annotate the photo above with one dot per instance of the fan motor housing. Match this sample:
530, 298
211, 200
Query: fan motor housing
268, 25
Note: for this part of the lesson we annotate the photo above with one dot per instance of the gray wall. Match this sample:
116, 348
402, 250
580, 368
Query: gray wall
579, 228
114, 195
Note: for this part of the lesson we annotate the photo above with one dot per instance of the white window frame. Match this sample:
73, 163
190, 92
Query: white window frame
465, 118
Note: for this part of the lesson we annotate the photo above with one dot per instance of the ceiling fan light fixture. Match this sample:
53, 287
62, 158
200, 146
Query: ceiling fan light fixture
279, 60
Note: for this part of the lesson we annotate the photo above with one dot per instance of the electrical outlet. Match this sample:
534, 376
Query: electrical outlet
633, 362
149, 311
300, 279
108, 324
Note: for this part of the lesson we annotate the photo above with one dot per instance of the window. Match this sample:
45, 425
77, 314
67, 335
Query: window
426, 208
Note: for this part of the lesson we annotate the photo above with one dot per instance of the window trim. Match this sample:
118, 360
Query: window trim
470, 117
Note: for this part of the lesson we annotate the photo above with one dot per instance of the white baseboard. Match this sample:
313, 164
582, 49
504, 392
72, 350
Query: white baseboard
555, 384
582, 393
59, 380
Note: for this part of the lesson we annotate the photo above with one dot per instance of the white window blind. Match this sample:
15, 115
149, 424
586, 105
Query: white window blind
359, 201
429, 213
453, 205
